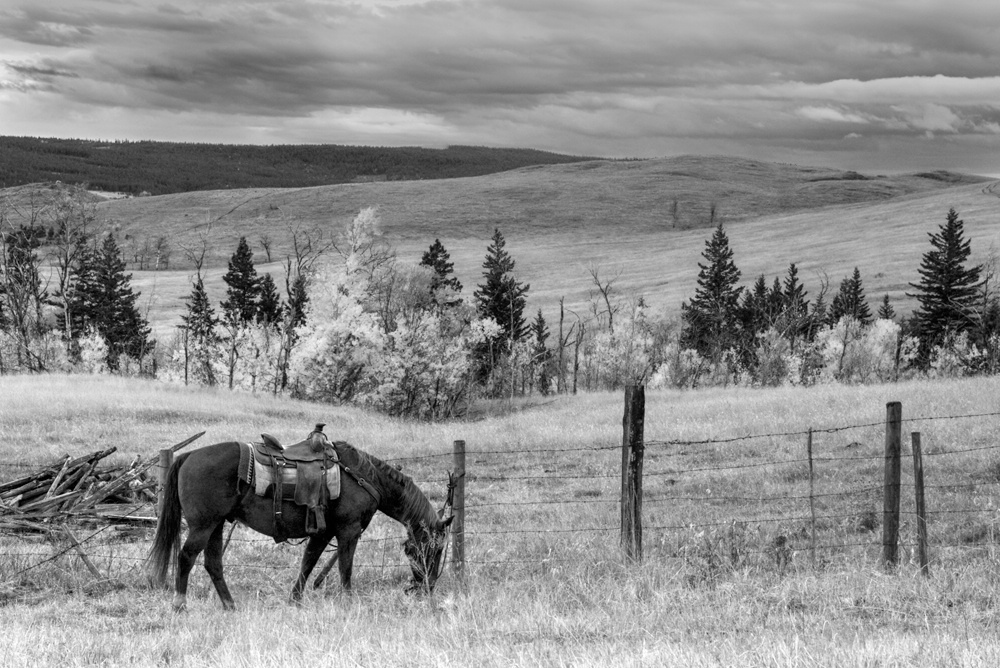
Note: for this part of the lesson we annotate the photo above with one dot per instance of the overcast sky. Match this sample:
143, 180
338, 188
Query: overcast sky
872, 85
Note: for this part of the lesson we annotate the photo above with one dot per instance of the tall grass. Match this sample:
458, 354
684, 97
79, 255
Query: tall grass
546, 583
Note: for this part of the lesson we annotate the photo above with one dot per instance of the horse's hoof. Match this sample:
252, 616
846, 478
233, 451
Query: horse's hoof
180, 604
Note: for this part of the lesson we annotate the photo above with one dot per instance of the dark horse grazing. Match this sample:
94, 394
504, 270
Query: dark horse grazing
204, 487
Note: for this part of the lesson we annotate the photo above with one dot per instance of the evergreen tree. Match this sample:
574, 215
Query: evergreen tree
756, 318
948, 290
104, 300
269, 310
298, 297
795, 315
775, 301
711, 317
243, 291
202, 338
850, 301
820, 312
438, 259
540, 354
501, 297
885, 311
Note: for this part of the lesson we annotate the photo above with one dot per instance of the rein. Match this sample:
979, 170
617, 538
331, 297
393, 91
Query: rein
365, 485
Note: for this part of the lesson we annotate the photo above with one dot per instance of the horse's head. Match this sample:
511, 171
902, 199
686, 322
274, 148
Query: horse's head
425, 549
426, 544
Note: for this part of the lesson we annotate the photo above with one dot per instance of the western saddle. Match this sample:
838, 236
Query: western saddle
312, 460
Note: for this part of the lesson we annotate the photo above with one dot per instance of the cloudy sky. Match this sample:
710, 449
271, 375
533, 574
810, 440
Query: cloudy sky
873, 85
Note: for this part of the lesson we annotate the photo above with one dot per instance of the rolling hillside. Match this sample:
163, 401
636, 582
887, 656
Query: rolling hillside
161, 168
646, 221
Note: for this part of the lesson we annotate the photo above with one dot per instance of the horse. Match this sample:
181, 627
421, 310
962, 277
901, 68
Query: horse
204, 487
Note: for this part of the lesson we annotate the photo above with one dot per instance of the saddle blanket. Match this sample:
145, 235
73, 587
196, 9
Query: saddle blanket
293, 479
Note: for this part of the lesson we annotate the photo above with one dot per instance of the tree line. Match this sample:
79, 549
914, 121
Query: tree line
158, 168
776, 334
354, 324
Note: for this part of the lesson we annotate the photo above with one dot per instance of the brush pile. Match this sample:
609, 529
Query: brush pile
77, 488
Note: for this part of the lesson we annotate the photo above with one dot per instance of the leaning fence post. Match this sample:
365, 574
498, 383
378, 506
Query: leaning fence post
162, 469
458, 508
890, 506
918, 484
632, 452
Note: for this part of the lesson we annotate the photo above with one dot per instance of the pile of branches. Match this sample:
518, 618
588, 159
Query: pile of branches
76, 488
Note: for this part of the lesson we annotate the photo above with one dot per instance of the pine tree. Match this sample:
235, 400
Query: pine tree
438, 259
885, 311
202, 338
947, 291
298, 298
756, 318
540, 354
711, 318
795, 315
104, 300
850, 301
269, 310
501, 296
243, 291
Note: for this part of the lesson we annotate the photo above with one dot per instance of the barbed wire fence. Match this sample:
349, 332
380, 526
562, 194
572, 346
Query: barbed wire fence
813, 498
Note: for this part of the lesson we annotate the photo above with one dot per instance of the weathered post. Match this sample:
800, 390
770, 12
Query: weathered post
890, 506
918, 484
632, 453
162, 469
458, 508
812, 499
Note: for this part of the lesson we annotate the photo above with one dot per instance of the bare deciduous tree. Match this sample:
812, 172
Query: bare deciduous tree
605, 289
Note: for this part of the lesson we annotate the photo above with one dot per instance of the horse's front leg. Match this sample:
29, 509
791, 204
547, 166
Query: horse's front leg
345, 559
314, 550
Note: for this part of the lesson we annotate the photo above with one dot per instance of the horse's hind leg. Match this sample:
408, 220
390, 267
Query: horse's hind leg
213, 564
197, 539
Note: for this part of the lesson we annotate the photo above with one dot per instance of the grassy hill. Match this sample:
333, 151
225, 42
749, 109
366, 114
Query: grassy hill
646, 221
159, 168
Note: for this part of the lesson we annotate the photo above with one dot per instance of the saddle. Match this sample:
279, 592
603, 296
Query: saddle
305, 473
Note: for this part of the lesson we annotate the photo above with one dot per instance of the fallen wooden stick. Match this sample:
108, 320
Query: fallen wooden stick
83, 555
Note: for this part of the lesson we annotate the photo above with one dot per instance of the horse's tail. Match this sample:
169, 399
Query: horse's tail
167, 542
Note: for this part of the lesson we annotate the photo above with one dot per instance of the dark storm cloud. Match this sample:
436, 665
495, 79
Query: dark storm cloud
586, 73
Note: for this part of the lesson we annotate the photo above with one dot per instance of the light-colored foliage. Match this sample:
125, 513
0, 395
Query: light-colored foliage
374, 336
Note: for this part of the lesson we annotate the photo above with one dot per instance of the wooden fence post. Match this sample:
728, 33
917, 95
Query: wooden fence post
812, 500
632, 452
890, 506
162, 469
458, 508
918, 483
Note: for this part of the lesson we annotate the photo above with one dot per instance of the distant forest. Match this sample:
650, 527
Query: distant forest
160, 168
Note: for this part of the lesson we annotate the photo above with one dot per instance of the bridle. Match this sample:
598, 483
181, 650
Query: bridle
446, 515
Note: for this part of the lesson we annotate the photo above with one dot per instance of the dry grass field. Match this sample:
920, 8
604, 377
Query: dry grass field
546, 583
646, 221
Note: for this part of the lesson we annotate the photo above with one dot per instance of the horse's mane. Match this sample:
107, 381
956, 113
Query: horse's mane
413, 502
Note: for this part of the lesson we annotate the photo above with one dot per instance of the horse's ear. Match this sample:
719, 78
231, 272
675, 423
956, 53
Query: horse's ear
447, 523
